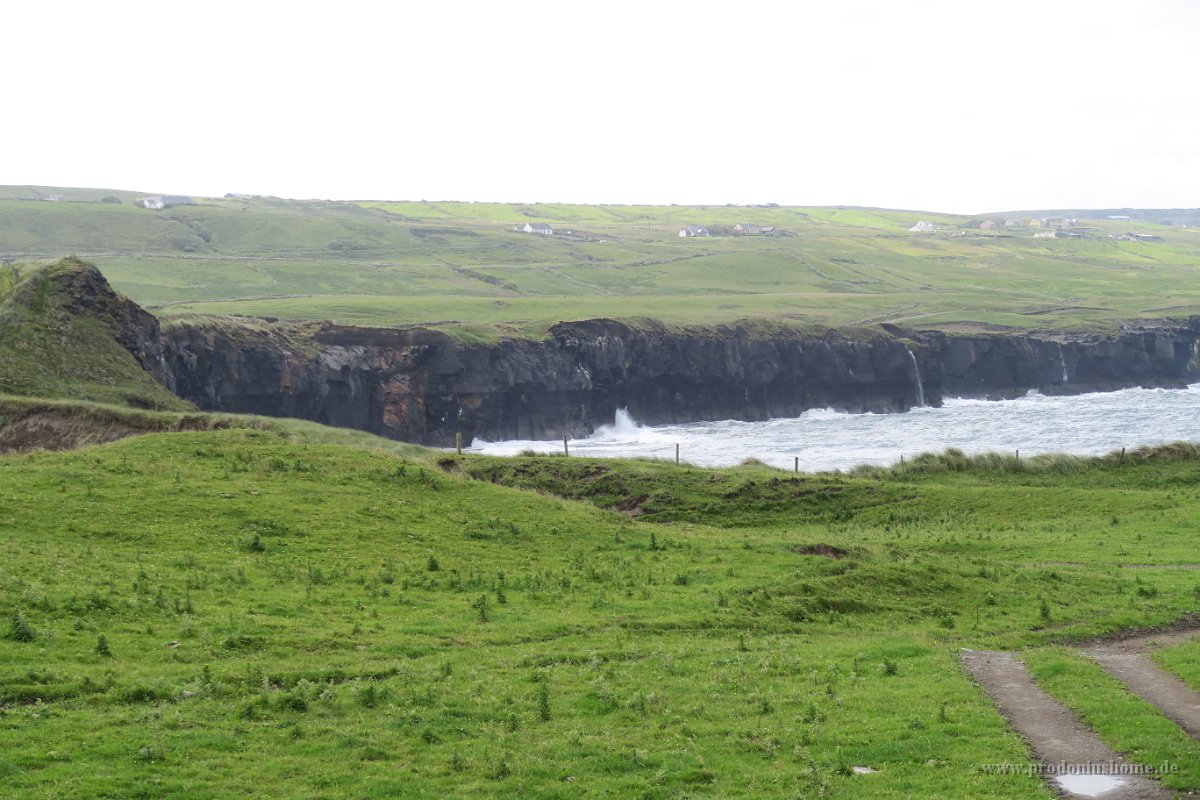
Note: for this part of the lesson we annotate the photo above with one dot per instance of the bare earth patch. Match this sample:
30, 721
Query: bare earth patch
826, 550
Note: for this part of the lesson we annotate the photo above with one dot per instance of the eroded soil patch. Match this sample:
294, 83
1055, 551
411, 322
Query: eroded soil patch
826, 550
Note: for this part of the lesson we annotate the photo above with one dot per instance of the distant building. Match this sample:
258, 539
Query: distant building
922, 227
1139, 237
1046, 235
1034, 223
1014, 223
1058, 222
161, 201
746, 229
987, 225
693, 230
539, 228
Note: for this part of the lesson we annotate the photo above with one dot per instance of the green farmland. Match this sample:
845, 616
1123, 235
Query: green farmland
247, 612
462, 267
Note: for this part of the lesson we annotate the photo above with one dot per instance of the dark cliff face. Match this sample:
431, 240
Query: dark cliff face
421, 386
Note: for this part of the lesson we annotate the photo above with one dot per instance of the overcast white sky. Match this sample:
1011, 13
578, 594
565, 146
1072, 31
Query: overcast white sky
944, 106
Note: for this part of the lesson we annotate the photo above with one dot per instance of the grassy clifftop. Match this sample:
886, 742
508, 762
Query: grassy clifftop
59, 338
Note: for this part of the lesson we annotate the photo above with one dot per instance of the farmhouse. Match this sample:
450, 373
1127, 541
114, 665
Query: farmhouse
1058, 222
746, 229
165, 201
693, 230
1014, 223
540, 228
987, 225
922, 227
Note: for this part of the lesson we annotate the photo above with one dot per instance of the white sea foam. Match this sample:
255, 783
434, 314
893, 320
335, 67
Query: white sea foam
1089, 424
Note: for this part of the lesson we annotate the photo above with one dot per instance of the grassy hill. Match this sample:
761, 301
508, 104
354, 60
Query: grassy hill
59, 338
239, 612
460, 266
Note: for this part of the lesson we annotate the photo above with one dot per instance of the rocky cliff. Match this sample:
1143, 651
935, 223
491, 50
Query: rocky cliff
422, 386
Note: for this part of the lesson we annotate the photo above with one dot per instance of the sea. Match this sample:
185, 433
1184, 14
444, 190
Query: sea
822, 440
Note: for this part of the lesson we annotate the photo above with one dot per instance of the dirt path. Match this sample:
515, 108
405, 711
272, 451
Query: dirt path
1054, 733
1127, 661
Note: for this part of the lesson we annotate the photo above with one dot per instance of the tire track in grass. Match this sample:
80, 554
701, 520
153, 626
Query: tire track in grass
1129, 662
1056, 735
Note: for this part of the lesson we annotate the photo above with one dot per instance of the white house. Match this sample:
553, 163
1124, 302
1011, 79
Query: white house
693, 230
749, 229
922, 227
537, 227
162, 201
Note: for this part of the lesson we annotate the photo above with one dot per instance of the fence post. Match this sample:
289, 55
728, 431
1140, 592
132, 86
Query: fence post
797, 467
458, 443
677, 454
1122, 461
566, 449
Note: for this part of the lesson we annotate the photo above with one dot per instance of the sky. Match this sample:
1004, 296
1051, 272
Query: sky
941, 106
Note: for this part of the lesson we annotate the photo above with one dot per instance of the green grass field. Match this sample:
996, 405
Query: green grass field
250, 612
460, 266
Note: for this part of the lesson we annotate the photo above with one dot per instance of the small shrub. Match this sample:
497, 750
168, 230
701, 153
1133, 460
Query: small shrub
102, 648
1044, 610
481, 608
432, 565
293, 701
890, 667
21, 630
500, 769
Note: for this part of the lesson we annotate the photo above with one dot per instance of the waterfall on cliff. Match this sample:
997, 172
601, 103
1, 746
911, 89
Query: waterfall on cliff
917, 372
